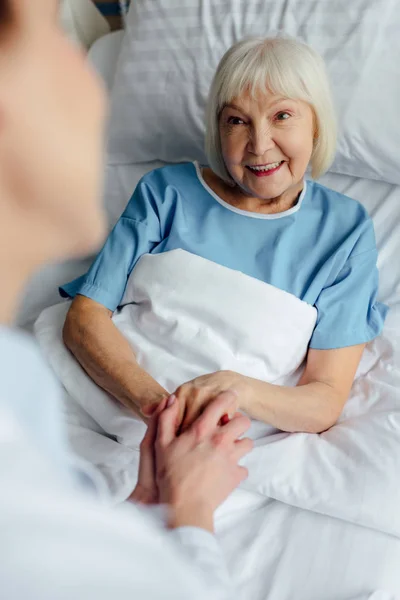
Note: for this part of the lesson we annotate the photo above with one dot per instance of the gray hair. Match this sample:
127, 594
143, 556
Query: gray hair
283, 66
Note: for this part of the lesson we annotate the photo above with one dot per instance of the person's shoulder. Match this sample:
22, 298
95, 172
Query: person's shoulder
345, 217
20, 354
336, 202
177, 174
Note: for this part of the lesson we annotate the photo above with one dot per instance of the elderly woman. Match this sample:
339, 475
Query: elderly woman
270, 115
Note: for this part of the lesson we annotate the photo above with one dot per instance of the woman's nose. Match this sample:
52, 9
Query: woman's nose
260, 141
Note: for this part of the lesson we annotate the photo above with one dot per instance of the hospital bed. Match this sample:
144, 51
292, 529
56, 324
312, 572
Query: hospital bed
298, 544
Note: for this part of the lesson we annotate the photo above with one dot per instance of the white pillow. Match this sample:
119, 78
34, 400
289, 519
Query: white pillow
172, 48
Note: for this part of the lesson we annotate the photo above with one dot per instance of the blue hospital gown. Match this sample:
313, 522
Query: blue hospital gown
323, 250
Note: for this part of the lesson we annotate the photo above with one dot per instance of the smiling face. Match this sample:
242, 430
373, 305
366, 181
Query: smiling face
266, 144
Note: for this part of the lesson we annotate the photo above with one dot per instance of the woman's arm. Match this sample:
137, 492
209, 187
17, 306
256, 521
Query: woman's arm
106, 356
318, 400
89, 331
313, 406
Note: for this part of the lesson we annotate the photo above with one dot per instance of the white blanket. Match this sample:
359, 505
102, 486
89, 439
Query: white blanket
185, 316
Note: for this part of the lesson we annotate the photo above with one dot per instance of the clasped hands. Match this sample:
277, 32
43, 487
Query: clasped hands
195, 395
195, 471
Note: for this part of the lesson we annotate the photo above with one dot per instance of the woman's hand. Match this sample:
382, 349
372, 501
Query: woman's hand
197, 471
195, 395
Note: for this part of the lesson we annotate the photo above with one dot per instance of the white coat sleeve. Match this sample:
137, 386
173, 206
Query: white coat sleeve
57, 543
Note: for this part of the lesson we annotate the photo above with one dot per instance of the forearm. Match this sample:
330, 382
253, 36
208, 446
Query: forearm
187, 515
106, 356
313, 407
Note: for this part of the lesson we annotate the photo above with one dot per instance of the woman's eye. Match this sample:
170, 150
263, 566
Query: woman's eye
235, 121
282, 116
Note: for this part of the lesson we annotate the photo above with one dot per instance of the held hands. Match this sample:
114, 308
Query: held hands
195, 472
146, 490
195, 395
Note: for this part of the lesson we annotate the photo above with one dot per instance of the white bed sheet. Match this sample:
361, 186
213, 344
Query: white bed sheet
279, 552
289, 553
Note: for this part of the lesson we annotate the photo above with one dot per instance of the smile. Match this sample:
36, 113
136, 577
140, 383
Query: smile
265, 170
